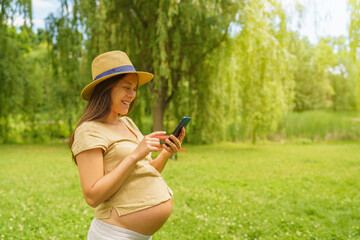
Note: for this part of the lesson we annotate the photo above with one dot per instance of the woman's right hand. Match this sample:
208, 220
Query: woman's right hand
149, 144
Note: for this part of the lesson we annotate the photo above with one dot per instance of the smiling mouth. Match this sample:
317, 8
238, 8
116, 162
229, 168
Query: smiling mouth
126, 103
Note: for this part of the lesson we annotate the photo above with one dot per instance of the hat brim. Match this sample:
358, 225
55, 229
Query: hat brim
86, 93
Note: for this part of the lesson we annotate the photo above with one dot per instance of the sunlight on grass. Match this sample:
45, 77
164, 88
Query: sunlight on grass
222, 191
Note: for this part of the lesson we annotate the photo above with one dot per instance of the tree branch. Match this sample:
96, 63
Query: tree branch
216, 45
135, 11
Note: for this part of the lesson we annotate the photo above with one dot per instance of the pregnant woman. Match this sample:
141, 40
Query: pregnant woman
119, 179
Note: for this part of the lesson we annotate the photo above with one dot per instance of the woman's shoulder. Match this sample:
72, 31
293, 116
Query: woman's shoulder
128, 119
130, 123
86, 124
88, 135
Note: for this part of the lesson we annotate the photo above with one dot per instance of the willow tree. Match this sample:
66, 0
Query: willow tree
354, 39
65, 54
11, 50
342, 75
170, 38
313, 88
265, 69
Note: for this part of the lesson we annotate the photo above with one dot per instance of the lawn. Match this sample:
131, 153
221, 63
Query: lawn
222, 191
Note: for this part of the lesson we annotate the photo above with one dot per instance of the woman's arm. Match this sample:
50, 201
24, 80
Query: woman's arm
161, 160
98, 187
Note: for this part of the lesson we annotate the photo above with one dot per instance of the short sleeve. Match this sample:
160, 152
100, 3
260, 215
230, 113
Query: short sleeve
88, 136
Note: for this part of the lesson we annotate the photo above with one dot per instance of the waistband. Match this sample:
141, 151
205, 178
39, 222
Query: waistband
114, 232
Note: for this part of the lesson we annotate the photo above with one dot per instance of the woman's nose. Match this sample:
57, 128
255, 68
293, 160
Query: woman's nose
132, 94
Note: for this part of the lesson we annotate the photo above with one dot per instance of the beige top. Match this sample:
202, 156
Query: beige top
143, 188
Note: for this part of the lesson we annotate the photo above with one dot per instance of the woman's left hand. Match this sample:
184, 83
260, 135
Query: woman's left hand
176, 145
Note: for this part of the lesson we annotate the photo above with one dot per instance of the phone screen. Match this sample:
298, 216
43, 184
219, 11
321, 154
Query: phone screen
183, 123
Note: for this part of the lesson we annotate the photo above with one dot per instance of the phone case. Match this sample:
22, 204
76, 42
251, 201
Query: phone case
183, 123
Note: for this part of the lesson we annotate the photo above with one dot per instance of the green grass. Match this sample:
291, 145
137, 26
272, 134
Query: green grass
222, 191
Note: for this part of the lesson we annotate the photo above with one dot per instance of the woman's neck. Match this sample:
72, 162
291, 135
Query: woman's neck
111, 119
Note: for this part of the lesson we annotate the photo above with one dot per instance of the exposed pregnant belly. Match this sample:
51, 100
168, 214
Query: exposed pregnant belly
146, 221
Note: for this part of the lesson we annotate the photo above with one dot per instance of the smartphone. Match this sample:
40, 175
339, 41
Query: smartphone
183, 123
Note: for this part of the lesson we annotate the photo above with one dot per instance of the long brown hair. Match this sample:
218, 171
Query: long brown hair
99, 105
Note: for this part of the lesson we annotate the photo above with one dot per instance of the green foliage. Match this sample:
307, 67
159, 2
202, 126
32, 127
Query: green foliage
236, 85
269, 191
313, 126
342, 77
354, 32
12, 68
325, 75
174, 41
67, 80
19, 91
354, 42
313, 88
264, 73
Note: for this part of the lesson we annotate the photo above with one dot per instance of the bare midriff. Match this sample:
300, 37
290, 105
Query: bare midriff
146, 221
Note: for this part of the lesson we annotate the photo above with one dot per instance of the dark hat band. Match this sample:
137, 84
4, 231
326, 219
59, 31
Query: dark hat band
126, 68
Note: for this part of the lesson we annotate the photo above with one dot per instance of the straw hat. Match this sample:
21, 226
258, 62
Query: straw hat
108, 65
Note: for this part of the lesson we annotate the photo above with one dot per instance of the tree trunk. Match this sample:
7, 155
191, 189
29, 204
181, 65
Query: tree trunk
4, 129
254, 134
158, 112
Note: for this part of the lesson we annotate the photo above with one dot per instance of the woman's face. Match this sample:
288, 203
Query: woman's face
123, 93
